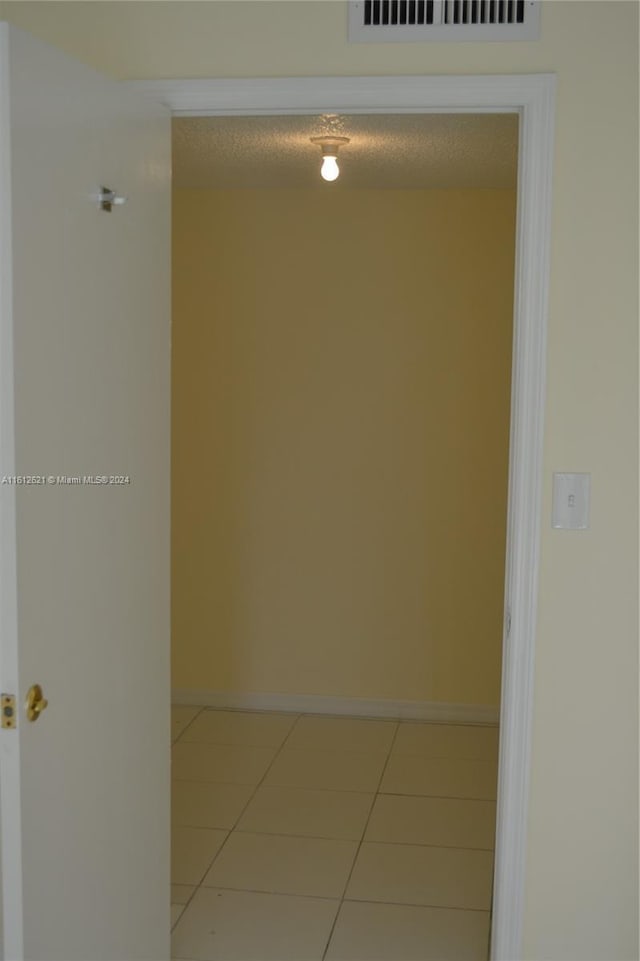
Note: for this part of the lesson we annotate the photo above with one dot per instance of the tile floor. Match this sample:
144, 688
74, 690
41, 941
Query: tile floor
303, 838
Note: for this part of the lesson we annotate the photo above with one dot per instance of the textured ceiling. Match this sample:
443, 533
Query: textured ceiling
386, 151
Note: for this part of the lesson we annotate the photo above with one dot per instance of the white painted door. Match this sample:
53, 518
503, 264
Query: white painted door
84, 567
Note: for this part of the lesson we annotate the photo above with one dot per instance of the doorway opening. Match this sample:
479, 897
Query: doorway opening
341, 418
532, 97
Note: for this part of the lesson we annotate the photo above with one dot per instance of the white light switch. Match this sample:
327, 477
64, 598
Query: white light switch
571, 501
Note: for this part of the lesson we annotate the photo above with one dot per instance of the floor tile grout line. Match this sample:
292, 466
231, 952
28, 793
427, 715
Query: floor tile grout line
278, 834
288, 787
228, 710
399, 753
390, 719
334, 790
360, 752
177, 920
197, 886
198, 711
246, 805
276, 894
341, 900
360, 843
439, 797
416, 904
333, 750
424, 844
342, 840
445, 757
212, 739
184, 908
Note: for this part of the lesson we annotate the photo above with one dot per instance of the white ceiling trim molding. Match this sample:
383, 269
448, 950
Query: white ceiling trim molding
533, 98
302, 95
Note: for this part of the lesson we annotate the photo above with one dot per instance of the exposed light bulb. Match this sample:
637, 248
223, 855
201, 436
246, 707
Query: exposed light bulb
330, 169
329, 146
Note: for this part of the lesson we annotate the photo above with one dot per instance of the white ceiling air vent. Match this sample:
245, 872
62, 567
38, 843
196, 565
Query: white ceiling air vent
406, 21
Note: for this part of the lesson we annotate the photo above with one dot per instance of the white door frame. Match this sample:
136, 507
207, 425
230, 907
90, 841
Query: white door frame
533, 98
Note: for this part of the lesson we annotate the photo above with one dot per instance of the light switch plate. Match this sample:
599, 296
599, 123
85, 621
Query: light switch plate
571, 494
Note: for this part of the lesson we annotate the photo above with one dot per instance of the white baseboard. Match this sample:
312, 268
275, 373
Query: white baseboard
440, 711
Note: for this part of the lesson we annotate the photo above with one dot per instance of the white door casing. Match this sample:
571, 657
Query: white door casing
84, 568
533, 98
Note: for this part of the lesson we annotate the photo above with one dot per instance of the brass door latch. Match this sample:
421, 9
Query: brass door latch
35, 703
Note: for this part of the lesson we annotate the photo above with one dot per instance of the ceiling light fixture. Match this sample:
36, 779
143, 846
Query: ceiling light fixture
329, 146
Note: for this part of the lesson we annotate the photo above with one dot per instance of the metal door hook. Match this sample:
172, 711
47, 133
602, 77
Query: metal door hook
107, 198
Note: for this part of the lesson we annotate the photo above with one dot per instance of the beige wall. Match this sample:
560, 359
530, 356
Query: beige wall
341, 418
581, 899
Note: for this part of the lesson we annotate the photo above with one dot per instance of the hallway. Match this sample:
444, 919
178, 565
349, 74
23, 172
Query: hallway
306, 837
